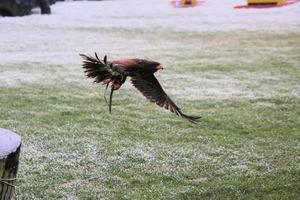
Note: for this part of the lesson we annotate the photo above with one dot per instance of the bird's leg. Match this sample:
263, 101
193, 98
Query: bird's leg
110, 97
105, 93
123, 78
113, 80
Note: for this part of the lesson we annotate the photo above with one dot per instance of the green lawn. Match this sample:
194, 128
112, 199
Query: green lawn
244, 84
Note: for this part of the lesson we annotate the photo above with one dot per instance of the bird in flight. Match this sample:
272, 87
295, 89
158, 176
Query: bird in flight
142, 77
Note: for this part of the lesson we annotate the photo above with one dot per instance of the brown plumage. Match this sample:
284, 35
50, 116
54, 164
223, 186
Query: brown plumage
142, 77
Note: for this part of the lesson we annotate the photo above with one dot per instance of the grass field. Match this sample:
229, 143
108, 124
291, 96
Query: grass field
244, 83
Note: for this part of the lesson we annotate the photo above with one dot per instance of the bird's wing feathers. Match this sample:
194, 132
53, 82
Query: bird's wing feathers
95, 68
149, 86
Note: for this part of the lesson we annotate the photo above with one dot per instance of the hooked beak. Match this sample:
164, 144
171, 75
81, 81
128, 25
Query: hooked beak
159, 67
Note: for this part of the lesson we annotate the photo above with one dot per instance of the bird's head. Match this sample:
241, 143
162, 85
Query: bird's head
150, 65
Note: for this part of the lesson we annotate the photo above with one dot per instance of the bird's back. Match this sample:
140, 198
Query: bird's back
137, 64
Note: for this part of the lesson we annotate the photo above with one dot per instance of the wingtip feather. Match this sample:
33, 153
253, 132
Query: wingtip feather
193, 119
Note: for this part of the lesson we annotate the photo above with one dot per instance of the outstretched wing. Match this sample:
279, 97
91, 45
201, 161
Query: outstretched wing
149, 86
95, 68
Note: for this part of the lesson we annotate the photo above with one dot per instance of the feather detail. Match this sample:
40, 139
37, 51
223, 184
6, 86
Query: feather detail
149, 86
95, 68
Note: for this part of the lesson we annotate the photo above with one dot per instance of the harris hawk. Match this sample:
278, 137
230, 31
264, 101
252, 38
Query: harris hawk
140, 71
